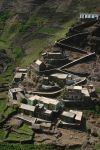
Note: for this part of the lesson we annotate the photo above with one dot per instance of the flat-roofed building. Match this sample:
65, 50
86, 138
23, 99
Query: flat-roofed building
72, 116
53, 55
21, 70
89, 16
77, 93
27, 109
60, 76
39, 65
78, 116
46, 115
35, 111
12, 94
67, 117
33, 100
18, 77
51, 104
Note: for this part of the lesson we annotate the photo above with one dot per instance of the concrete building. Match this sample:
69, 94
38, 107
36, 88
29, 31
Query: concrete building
35, 111
53, 55
21, 70
68, 79
89, 16
27, 110
50, 104
12, 94
59, 76
77, 93
72, 116
19, 77
78, 116
39, 66
67, 117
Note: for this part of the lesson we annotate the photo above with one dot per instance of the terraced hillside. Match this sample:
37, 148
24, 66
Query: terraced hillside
28, 26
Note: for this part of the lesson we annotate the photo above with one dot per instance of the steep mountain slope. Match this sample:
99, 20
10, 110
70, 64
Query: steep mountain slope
28, 26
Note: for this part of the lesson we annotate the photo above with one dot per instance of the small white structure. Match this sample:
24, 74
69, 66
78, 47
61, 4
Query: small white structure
39, 65
21, 70
89, 16
78, 116
53, 55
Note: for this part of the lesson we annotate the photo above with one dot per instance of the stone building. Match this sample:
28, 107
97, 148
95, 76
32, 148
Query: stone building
39, 66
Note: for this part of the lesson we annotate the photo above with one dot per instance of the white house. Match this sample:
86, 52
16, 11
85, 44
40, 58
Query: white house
89, 16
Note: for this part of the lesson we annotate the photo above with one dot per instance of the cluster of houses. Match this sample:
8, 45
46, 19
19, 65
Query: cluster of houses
43, 108
51, 110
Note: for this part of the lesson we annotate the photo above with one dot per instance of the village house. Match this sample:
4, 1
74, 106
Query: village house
72, 116
55, 58
17, 95
13, 91
39, 66
53, 55
20, 74
18, 77
44, 126
78, 116
37, 111
76, 93
89, 16
21, 70
43, 113
68, 79
27, 110
50, 104
59, 76
67, 117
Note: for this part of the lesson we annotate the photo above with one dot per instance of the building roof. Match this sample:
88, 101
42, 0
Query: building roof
22, 70
38, 62
77, 87
78, 116
27, 107
14, 90
68, 114
49, 100
18, 75
35, 97
44, 100
54, 53
46, 125
89, 15
74, 87
85, 92
59, 75
48, 111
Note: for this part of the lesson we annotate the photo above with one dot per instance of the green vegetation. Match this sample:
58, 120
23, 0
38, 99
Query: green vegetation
25, 147
2, 134
97, 147
25, 129
98, 90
